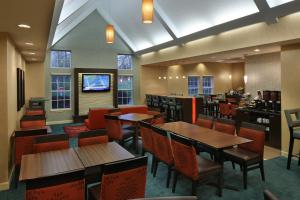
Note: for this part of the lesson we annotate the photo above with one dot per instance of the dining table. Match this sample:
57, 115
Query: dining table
135, 118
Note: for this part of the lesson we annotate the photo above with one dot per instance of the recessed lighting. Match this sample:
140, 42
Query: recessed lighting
183, 77
256, 50
159, 77
24, 26
29, 43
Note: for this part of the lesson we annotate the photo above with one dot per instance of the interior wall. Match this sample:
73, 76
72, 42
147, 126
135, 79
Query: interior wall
10, 60
238, 72
264, 72
35, 80
290, 95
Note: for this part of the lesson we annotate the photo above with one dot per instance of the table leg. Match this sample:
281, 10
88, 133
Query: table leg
136, 138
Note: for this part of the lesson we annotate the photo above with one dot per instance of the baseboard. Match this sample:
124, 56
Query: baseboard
59, 122
285, 154
4, 186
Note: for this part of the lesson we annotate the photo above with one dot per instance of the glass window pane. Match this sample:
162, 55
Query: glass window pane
61, 59
124, 62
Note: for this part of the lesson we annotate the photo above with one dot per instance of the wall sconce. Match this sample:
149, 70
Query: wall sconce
159, 77
165, 77
177, 77
245, 78
183, 77
230, 76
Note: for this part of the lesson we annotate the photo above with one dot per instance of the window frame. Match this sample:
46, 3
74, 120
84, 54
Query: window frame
131, 68
132, 88
211, 83
61, 109
52, 67
199, 84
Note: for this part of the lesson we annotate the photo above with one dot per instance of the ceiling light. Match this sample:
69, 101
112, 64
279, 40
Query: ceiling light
29, 43
159, 77
147, 11
256, 50
110, 34
24, 26
165, 77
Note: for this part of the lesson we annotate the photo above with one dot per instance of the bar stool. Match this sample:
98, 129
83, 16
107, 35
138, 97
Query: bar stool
178, 111
172, 109
294, 127
149, 100
155, 101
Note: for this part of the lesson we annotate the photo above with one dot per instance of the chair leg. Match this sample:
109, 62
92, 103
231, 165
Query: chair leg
143, 151
299, 159
262, 171
233, 165
220, 184
155, 167
174, 181
169, 175
245, 176
290, 152
194, 187
153, 163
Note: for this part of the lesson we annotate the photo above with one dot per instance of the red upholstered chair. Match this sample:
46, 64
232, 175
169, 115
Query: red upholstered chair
23, 142
191, 166
122, 180
158, 119
162, 151
34, 121
225, 126
92, 137
96, 118
51, 143
67, 186
115, 131
134, 109
205, 121
249, 155
225, 110
33, 112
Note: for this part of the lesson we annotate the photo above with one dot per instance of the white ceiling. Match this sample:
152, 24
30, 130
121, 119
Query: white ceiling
174, 19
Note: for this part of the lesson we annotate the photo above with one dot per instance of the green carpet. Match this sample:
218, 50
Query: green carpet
284, 183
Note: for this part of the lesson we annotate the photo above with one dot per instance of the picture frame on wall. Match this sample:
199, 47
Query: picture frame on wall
20, 89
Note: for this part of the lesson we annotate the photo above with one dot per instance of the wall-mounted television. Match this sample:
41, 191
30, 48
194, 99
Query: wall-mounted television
95, 82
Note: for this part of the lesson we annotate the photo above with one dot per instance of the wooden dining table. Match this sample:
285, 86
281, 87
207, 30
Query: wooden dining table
211, 138
135, 118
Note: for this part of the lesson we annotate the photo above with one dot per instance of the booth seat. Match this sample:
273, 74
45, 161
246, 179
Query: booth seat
23, 142
34, 112
34, 121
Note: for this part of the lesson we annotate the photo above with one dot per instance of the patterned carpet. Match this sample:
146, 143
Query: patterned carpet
285, 184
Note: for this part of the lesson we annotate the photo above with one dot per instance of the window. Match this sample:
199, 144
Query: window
61, 59
193, 85
61, 91
125, 85
125, 62
208, 84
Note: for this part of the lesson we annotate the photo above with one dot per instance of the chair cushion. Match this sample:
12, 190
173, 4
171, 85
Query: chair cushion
239, 154
94, 192
207, 166
296, 133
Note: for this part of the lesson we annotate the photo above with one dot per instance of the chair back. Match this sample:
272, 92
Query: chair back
113, 127
293, 117
224, 108
51, 143
257, 134
96, 118
33, 121
124, 180
158, 119
24, 140
92, 137
146, 133
205, 121
162, 145
69, 186
185, 157
225, 126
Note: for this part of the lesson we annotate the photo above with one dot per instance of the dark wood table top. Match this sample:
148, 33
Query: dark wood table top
99, 154
209, 137
135, 117
49, 164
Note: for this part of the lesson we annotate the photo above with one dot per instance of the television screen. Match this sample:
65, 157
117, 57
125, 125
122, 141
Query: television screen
95, 82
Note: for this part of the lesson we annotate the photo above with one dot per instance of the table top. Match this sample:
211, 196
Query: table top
99, 154
135, 117
209, 137
49, 164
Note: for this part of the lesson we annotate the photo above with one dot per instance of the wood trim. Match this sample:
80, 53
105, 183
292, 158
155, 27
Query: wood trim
77, 71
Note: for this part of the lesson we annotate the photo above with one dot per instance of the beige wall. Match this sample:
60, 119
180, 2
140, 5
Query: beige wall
35, 80
220, 71
290, 95
10, 60
238, 72
264, 72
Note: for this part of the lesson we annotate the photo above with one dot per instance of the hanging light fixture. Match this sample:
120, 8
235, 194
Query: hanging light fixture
110, 34
147, 11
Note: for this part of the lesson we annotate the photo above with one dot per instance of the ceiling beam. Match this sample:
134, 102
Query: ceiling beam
73, 20
264, 8
278, 11
164, 24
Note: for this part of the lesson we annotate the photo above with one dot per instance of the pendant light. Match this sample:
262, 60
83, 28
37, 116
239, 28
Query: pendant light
110, 34
147, 11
